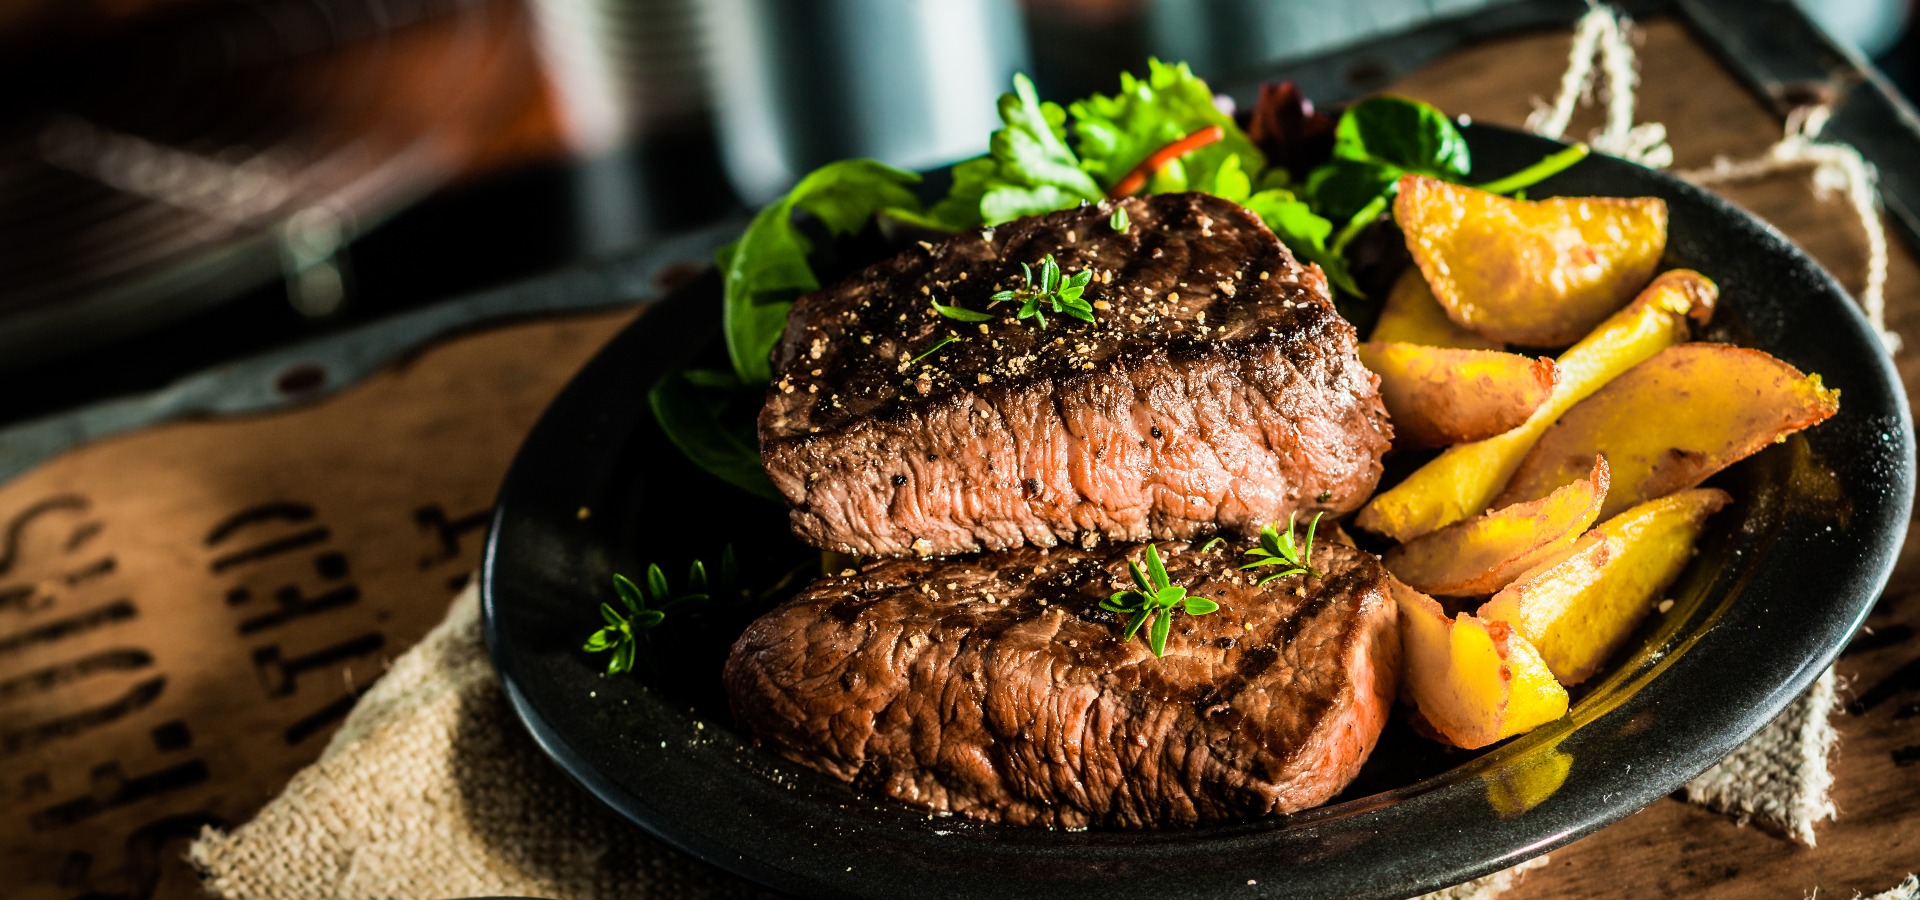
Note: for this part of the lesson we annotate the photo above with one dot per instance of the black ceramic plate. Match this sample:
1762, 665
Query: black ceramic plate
1782, 581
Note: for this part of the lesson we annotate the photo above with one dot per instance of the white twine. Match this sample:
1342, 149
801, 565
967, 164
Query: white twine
1605, 35
1836, 167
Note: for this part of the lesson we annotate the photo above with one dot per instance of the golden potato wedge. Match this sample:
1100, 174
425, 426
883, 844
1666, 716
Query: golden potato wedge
1411, 316
1463, 481
1535, 272
1483, 554
1673, 420
1438, 396
1475, 682
1578, 610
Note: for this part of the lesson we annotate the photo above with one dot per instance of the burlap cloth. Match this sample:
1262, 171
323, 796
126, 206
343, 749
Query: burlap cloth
432, 788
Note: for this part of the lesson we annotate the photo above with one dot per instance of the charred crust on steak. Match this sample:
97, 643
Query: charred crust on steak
827, 374
996, 688
1213, 352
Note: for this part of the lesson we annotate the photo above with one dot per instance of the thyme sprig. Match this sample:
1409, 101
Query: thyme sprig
645, 607
1062, 297
936, 348
1155, 599
1277, 548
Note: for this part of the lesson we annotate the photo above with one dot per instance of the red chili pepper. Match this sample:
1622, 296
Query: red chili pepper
1136, 178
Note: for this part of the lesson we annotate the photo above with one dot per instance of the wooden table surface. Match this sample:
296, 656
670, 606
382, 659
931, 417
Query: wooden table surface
186, 613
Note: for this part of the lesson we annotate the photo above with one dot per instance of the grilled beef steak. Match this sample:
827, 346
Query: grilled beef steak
996, 688
1217, 388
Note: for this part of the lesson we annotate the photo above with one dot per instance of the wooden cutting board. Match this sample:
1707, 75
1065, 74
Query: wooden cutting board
186, 613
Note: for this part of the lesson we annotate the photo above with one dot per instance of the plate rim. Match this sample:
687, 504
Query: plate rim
1869, 582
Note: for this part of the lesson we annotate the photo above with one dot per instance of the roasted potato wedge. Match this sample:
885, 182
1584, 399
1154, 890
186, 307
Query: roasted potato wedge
1535, 272
1716, 404
1475, 682
1483, 554
1438, 396
1412, 316
1464, 480
1577, 611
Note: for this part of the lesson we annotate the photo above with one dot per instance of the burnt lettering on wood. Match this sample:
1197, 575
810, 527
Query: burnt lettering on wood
113, 789
44, 680
149, 849
317, 721
13, 533
291, 601
19, 739
276, 511
1869, 640
279, 675
433, 520
294, 604
30, 598
78, 623
1903, 680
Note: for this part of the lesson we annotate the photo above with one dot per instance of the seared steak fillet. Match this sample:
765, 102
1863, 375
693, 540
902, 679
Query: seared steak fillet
996, 688
1218, 389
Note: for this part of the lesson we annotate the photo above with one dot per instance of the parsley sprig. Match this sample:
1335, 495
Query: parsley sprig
1062, 297
646, 608
1156, 599
1277, 548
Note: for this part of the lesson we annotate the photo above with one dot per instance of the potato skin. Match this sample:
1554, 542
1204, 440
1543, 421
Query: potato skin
1438, 396
1411, 315
1535, 272
1485, 553
1578, 610
1464, 480
1717, 404
1474, 681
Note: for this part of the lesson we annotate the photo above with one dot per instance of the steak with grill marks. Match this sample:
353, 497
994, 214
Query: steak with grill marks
1217, 389
996, 687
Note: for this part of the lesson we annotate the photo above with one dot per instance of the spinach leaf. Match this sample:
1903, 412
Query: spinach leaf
709, 415
1403, 134
767, 267
1341, 187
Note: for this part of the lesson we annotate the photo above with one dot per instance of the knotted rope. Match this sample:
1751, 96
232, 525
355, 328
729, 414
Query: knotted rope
1603, 62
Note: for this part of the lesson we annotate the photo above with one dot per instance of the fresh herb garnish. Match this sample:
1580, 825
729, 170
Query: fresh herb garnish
1278, 549
1119, 220
646, 609
961, 313
1216, 542
1062, 297
949, 339
1156, 599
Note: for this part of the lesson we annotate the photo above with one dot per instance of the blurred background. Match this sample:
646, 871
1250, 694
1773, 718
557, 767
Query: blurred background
184, 182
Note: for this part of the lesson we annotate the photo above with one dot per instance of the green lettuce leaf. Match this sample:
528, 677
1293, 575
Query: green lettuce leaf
1114, 132
1028, 169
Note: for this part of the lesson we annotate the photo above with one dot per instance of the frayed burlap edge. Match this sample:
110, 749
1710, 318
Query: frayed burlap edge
1780, 778
431, 788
